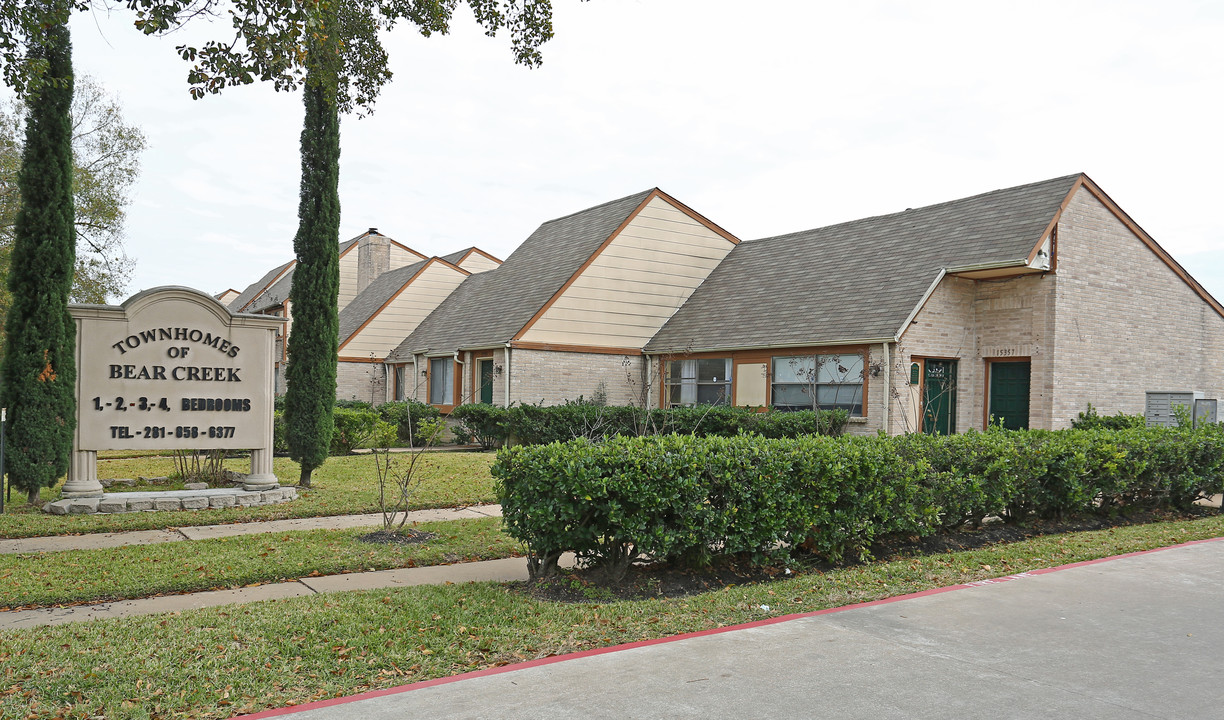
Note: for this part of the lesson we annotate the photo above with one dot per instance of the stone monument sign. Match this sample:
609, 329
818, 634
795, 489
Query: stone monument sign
169, 369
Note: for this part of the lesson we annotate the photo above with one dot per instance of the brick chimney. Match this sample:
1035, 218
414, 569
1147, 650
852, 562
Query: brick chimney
373, 257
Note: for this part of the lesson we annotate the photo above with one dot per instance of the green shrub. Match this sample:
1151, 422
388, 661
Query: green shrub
354, 405
540, 425
1090, 420
280, 445
408, 418
354, 429
485, 424
684, 498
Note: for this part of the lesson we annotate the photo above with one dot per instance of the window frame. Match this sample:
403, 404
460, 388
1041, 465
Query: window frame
692, 381
819, 360
449, 379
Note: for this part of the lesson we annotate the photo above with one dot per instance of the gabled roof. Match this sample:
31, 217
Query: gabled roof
489, 308
273, 288
457, 257
859, 280
257, 288
368, 302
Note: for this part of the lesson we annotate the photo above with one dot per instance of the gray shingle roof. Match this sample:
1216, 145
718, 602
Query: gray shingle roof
275, 295
256, 288
377, 293
856, 280
489, 308
258, 295
455, 257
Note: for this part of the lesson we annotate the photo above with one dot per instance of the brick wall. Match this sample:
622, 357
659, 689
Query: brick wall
360, 381
1125, 323
554, 377
944, 328
972, 321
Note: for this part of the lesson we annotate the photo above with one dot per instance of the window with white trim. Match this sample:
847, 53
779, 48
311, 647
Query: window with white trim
818, 382
698, 381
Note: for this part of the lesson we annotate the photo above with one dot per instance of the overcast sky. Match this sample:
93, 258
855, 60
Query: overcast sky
766, 118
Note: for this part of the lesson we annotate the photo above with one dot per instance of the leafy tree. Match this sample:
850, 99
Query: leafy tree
39, 369
334, 48
106, 162
311, 374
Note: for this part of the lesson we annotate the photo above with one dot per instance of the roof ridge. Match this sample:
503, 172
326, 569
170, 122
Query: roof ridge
944, 204
642, 194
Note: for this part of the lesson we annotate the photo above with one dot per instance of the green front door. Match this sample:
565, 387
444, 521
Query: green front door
939, 397
1009, 394
486, 381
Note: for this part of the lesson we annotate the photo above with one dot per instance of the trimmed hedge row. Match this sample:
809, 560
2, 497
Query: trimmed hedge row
683, 498
493, 426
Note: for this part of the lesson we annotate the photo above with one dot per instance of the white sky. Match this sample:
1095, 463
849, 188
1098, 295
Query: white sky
766, 118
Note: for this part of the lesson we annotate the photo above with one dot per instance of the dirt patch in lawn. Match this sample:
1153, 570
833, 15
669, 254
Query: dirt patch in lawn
406, 536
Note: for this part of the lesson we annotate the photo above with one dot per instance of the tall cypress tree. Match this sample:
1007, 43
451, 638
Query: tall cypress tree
310, 394
39, 383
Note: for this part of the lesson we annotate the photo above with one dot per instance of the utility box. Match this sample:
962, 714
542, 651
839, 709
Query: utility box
1204, 411
1159, 408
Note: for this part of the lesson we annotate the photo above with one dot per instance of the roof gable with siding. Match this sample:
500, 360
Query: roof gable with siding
490, 308
621, 297
380, 317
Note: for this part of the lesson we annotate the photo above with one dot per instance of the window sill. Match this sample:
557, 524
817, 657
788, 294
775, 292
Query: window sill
857, 421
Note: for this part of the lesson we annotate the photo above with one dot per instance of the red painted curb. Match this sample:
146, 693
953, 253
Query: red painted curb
280, 712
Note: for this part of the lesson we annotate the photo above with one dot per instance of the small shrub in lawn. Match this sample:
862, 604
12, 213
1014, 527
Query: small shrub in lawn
484, 424
354, 429
408, 417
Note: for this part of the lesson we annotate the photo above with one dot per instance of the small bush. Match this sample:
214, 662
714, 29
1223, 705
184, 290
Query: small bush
354, 429
1090, 420
280, 444
408, 418
487, 425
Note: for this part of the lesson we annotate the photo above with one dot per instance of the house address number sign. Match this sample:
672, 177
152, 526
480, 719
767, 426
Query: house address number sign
171, 368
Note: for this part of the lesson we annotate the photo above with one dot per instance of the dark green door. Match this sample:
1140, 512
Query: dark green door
486, 381
939, 397
1009, 394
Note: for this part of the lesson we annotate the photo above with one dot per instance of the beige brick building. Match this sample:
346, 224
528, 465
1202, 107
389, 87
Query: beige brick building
1021, 305
1018, 306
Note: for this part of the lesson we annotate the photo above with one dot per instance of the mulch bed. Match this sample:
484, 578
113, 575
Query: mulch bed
404, 536
658, 580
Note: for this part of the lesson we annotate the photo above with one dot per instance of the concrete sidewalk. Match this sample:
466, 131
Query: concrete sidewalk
504, 570
1135, 637
58, 543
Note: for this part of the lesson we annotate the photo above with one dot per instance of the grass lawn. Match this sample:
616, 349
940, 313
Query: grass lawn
343, 486
144, 570
220, 662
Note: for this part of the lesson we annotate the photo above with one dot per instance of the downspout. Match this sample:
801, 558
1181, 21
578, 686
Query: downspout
462, 377
649, 383
507, 374
887, 389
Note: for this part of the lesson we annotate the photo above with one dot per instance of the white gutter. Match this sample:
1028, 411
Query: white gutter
1022, 262
783, 346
